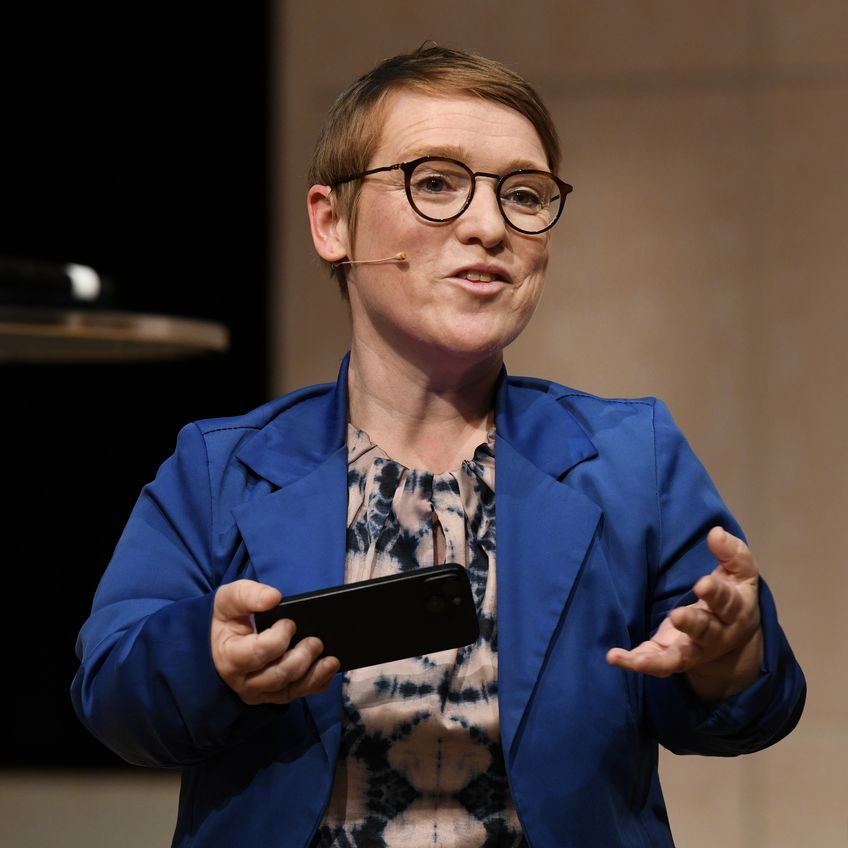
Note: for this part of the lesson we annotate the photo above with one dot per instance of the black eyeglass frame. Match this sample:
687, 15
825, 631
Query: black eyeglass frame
409, 167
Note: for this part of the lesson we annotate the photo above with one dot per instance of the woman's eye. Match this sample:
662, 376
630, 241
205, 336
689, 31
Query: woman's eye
433, 184
525, 198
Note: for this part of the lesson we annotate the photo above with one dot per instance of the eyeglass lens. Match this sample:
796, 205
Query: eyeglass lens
439, 189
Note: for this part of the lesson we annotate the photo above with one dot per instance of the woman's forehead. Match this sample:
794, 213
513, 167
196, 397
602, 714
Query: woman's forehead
459, 126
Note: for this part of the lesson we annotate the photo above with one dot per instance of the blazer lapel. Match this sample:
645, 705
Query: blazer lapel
296, 535
544, 532
296, 540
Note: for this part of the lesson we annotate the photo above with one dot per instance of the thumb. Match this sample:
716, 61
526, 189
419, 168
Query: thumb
243, 597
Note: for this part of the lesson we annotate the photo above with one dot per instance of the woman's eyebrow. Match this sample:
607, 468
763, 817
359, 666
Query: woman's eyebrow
451, 151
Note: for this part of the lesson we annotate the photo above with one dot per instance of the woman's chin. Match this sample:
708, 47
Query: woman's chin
469, 348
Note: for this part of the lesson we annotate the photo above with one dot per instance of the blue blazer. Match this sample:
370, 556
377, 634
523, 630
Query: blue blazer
602, 513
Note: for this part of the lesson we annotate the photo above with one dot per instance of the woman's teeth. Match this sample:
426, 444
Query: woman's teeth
478, 277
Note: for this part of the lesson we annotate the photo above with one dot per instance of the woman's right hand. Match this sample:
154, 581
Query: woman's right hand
259, 667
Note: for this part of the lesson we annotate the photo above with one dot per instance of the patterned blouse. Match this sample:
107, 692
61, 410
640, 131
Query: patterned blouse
421, 760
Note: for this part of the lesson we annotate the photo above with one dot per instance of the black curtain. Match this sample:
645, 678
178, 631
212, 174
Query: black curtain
134, 140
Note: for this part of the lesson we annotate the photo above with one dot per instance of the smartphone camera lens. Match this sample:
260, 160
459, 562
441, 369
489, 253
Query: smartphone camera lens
435, 603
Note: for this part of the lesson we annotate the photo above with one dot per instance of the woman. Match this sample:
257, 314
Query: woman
434, 200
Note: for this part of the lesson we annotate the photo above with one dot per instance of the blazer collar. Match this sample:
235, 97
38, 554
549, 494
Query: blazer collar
530, 415
311, 427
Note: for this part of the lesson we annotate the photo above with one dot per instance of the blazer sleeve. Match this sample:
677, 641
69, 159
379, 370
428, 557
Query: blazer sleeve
147, 686
688, 506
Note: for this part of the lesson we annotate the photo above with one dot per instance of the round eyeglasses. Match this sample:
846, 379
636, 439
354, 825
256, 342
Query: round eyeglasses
441, 189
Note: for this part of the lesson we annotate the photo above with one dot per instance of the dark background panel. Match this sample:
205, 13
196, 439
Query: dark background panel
134, 141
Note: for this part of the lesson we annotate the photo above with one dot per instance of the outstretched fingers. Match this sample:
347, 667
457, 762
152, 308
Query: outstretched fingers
668, 652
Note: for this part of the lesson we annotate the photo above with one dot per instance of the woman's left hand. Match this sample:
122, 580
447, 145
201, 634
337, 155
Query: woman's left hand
717, 641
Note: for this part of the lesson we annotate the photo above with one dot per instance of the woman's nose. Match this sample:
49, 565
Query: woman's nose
482, 220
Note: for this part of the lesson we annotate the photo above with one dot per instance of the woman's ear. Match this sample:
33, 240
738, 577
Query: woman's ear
329, 231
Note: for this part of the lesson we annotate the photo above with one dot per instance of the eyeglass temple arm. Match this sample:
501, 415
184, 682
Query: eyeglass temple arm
359, 176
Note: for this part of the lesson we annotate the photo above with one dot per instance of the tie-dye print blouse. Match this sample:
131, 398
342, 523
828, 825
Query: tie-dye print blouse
421, 760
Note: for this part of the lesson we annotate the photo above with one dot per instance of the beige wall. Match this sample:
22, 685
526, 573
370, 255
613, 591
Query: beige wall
88, 809
702, 258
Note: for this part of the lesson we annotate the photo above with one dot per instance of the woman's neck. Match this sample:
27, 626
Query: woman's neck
422, 416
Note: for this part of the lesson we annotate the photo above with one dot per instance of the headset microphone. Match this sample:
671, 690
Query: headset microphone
398, 257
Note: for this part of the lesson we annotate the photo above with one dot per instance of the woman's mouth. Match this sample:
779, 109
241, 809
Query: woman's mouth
480, 277
482, 274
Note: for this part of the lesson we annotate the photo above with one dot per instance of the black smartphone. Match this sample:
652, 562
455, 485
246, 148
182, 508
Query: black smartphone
385, 619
